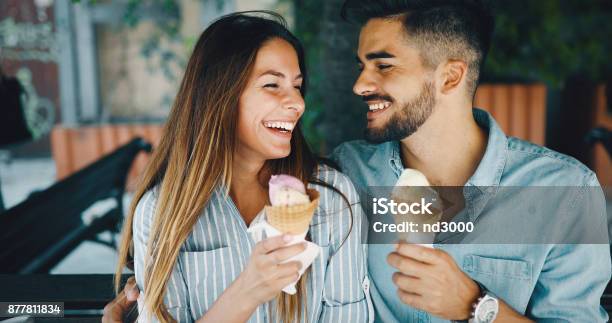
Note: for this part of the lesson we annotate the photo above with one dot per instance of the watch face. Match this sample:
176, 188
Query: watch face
487, 310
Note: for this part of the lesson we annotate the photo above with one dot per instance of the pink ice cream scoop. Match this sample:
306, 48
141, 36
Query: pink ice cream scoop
286, 190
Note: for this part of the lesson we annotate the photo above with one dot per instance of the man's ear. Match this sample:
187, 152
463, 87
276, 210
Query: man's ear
453, 73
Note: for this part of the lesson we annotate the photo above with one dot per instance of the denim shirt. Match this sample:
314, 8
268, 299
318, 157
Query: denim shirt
544, 281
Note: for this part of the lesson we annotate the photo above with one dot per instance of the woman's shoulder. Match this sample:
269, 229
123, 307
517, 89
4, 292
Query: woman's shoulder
334, 178
145, 208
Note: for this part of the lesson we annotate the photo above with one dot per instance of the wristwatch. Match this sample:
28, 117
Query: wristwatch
485, 308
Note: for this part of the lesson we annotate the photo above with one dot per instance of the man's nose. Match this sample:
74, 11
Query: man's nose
365, 85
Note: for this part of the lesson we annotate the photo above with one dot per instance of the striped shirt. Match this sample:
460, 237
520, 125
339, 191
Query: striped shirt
219, 247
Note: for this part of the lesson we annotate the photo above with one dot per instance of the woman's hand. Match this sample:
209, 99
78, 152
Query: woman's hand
266, 274
263, 278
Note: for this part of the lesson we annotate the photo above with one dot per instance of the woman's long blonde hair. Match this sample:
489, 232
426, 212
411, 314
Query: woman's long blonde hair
195, 153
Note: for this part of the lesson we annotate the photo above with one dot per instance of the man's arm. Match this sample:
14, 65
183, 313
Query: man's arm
115, 311
430, 280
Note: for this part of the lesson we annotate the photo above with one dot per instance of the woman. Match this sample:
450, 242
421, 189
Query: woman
235, 123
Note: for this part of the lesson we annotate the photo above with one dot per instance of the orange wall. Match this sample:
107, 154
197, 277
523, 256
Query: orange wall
74, 148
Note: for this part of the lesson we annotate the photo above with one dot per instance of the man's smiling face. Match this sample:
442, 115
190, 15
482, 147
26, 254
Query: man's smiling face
398, 89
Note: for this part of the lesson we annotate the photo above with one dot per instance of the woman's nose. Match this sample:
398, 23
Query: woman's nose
294, 101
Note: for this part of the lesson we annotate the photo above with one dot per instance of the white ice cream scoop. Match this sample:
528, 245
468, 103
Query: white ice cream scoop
412, 177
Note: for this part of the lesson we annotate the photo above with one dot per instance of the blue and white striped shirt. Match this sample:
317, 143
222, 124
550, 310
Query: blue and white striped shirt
219, 247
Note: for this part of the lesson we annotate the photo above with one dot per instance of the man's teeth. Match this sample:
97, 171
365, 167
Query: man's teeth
280, 125
378, 106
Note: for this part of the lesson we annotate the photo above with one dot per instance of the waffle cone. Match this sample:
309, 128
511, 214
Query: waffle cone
293, 219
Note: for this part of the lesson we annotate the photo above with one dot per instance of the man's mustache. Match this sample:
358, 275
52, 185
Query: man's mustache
377, 97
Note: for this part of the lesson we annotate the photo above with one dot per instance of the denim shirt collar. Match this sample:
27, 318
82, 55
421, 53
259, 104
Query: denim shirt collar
490, 169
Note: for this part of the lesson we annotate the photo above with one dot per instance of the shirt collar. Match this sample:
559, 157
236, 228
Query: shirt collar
387, 155
490, 169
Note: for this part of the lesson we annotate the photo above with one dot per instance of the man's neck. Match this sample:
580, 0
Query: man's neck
447, 148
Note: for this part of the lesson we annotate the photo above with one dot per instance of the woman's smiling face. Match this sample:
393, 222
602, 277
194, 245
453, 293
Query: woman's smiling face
271, 104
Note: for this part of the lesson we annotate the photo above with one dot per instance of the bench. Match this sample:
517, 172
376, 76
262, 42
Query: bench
40, 231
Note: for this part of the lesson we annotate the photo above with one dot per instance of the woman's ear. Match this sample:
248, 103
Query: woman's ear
453, 73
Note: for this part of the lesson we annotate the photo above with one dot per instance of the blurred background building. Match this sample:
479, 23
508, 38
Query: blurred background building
97, 73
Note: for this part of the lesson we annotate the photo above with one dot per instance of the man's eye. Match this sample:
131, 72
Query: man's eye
299, 87
271, 85
383, 66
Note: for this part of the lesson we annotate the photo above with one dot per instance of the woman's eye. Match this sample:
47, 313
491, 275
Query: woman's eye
271, 85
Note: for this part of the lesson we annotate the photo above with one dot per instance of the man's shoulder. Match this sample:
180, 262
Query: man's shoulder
354, 148
543, 166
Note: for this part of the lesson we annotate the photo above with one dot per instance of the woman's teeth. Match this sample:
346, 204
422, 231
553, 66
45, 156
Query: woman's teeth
286, 126
379, 106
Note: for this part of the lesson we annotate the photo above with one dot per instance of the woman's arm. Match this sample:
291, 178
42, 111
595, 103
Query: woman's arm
176, 298
346, 291
262, 280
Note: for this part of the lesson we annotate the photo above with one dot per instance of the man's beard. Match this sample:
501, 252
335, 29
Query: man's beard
407, 120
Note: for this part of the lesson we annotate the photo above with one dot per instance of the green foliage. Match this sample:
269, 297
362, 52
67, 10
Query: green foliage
550, 40
307, 29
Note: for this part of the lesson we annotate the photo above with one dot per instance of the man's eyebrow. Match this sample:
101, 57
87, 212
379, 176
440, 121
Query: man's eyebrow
379, 54
279, 74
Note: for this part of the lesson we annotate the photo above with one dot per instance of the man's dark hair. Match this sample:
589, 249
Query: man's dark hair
441, 29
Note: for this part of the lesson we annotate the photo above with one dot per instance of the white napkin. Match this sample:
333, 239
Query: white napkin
306, 257
424, 239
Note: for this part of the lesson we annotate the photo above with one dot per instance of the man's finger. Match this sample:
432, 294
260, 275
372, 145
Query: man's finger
408, 266
408, 284
131, 289
113, 311
411, 299
420, 253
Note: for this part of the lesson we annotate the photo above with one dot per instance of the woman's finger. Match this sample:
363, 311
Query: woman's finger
288, 269
271, 244
286, 280
281, 254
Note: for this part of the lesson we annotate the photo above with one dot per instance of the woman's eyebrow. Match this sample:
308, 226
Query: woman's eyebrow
278, 74
274, 73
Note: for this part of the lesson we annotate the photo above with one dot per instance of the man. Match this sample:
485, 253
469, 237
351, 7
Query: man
420, 63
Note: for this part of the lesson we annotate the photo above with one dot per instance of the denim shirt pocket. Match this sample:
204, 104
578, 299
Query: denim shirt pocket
508, 279
203, 275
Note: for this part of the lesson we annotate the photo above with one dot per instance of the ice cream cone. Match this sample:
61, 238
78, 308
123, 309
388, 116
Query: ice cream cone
293, 219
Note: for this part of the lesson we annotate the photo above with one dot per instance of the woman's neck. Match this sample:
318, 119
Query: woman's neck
247, 190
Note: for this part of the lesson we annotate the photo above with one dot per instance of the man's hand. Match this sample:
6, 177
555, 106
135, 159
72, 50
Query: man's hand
430, 280
117, 308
